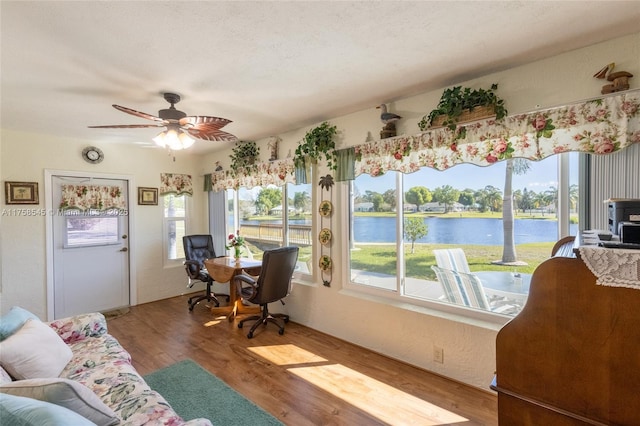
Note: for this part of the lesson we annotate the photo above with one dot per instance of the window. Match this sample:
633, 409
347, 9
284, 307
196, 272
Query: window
270, 217
398, 220
174, 227
91, 228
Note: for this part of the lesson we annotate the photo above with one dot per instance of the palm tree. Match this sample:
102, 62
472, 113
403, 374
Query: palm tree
494, 197
573, 196
551, 197
518, 166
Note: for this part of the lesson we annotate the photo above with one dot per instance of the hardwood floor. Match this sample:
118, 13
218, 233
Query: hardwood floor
303, 377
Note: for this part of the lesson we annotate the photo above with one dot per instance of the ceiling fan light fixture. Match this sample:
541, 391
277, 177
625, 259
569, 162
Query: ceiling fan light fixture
181, 130
174, 140
185, 140
159, 139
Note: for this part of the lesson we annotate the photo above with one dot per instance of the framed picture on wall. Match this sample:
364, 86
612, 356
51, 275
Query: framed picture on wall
21, 192
147, 196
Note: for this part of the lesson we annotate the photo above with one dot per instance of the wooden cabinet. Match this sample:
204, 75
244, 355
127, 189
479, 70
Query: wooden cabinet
572, 356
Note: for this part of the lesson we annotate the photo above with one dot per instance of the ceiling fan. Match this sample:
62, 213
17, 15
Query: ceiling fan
179, 127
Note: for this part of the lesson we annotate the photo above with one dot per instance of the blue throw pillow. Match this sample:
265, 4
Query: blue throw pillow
21, 411
13, 320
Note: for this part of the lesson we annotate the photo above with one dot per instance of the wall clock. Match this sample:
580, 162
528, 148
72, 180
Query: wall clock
92, 155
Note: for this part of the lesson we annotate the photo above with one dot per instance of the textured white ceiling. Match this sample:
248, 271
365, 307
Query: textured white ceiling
268, 66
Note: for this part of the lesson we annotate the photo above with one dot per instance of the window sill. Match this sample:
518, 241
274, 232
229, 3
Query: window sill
449, 312
306, 280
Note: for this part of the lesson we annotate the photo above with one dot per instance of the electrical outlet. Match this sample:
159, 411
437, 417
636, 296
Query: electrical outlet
438, 355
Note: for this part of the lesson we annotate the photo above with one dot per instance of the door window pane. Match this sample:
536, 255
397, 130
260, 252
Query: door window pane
91, 231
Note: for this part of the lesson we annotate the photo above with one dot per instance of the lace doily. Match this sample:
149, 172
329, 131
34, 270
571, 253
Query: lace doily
613, 267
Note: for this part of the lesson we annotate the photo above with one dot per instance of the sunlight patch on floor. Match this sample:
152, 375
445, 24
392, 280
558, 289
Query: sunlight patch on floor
286, 354
380, 400
212, 323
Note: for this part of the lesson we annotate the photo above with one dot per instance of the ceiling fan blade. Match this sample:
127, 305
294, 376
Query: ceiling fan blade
126, 126
139, 114
212, 135
203, 121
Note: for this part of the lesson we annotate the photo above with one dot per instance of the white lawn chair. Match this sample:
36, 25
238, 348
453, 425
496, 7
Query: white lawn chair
466, 289
453, 259
451, 286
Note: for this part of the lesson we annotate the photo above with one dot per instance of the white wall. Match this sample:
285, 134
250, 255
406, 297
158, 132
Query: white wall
406, 332
402, 332
24, 157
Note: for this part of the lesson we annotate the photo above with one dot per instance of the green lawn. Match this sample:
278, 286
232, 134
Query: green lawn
381, 258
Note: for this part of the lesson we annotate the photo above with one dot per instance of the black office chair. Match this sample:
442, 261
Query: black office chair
197, 249
273, 284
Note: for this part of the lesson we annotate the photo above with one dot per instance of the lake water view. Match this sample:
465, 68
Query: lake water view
482, 231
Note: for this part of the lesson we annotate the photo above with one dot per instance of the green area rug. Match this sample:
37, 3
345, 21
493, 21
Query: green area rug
193, 392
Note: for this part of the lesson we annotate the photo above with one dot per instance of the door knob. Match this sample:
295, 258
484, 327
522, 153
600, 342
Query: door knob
124, 249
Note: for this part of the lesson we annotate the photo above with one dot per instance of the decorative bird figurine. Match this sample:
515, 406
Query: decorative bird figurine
605, 71
387, 117
619, 79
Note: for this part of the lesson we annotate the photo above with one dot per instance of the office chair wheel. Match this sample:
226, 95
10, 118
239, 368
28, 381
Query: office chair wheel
286, 320
250, 335
239, 325
281, 331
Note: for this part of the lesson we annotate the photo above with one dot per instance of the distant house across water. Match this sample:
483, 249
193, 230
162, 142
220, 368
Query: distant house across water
363, 207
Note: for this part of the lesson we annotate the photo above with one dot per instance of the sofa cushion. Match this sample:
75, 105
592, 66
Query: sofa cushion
13, 320
34, 351
66, 393
80, 327
4, 376
21, 411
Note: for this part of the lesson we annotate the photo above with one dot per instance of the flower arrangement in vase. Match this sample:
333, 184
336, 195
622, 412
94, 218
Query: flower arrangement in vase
235, 242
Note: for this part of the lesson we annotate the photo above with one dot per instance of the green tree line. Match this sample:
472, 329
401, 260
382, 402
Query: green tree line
485, 199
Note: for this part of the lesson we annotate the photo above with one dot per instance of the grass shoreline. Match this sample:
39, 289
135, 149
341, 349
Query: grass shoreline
381, 257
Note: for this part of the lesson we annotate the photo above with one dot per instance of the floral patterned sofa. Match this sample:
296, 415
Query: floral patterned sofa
100, 363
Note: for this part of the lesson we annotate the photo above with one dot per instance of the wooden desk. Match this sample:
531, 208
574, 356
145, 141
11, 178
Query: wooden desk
571, 356
223, 269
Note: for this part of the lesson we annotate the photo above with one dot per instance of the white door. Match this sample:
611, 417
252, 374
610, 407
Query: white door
90, 253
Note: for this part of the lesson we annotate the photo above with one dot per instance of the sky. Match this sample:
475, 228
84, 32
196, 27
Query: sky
541, 176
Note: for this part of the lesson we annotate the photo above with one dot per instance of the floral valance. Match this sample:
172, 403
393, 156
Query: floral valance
173, 183
279, 173
599, 126
92, 197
